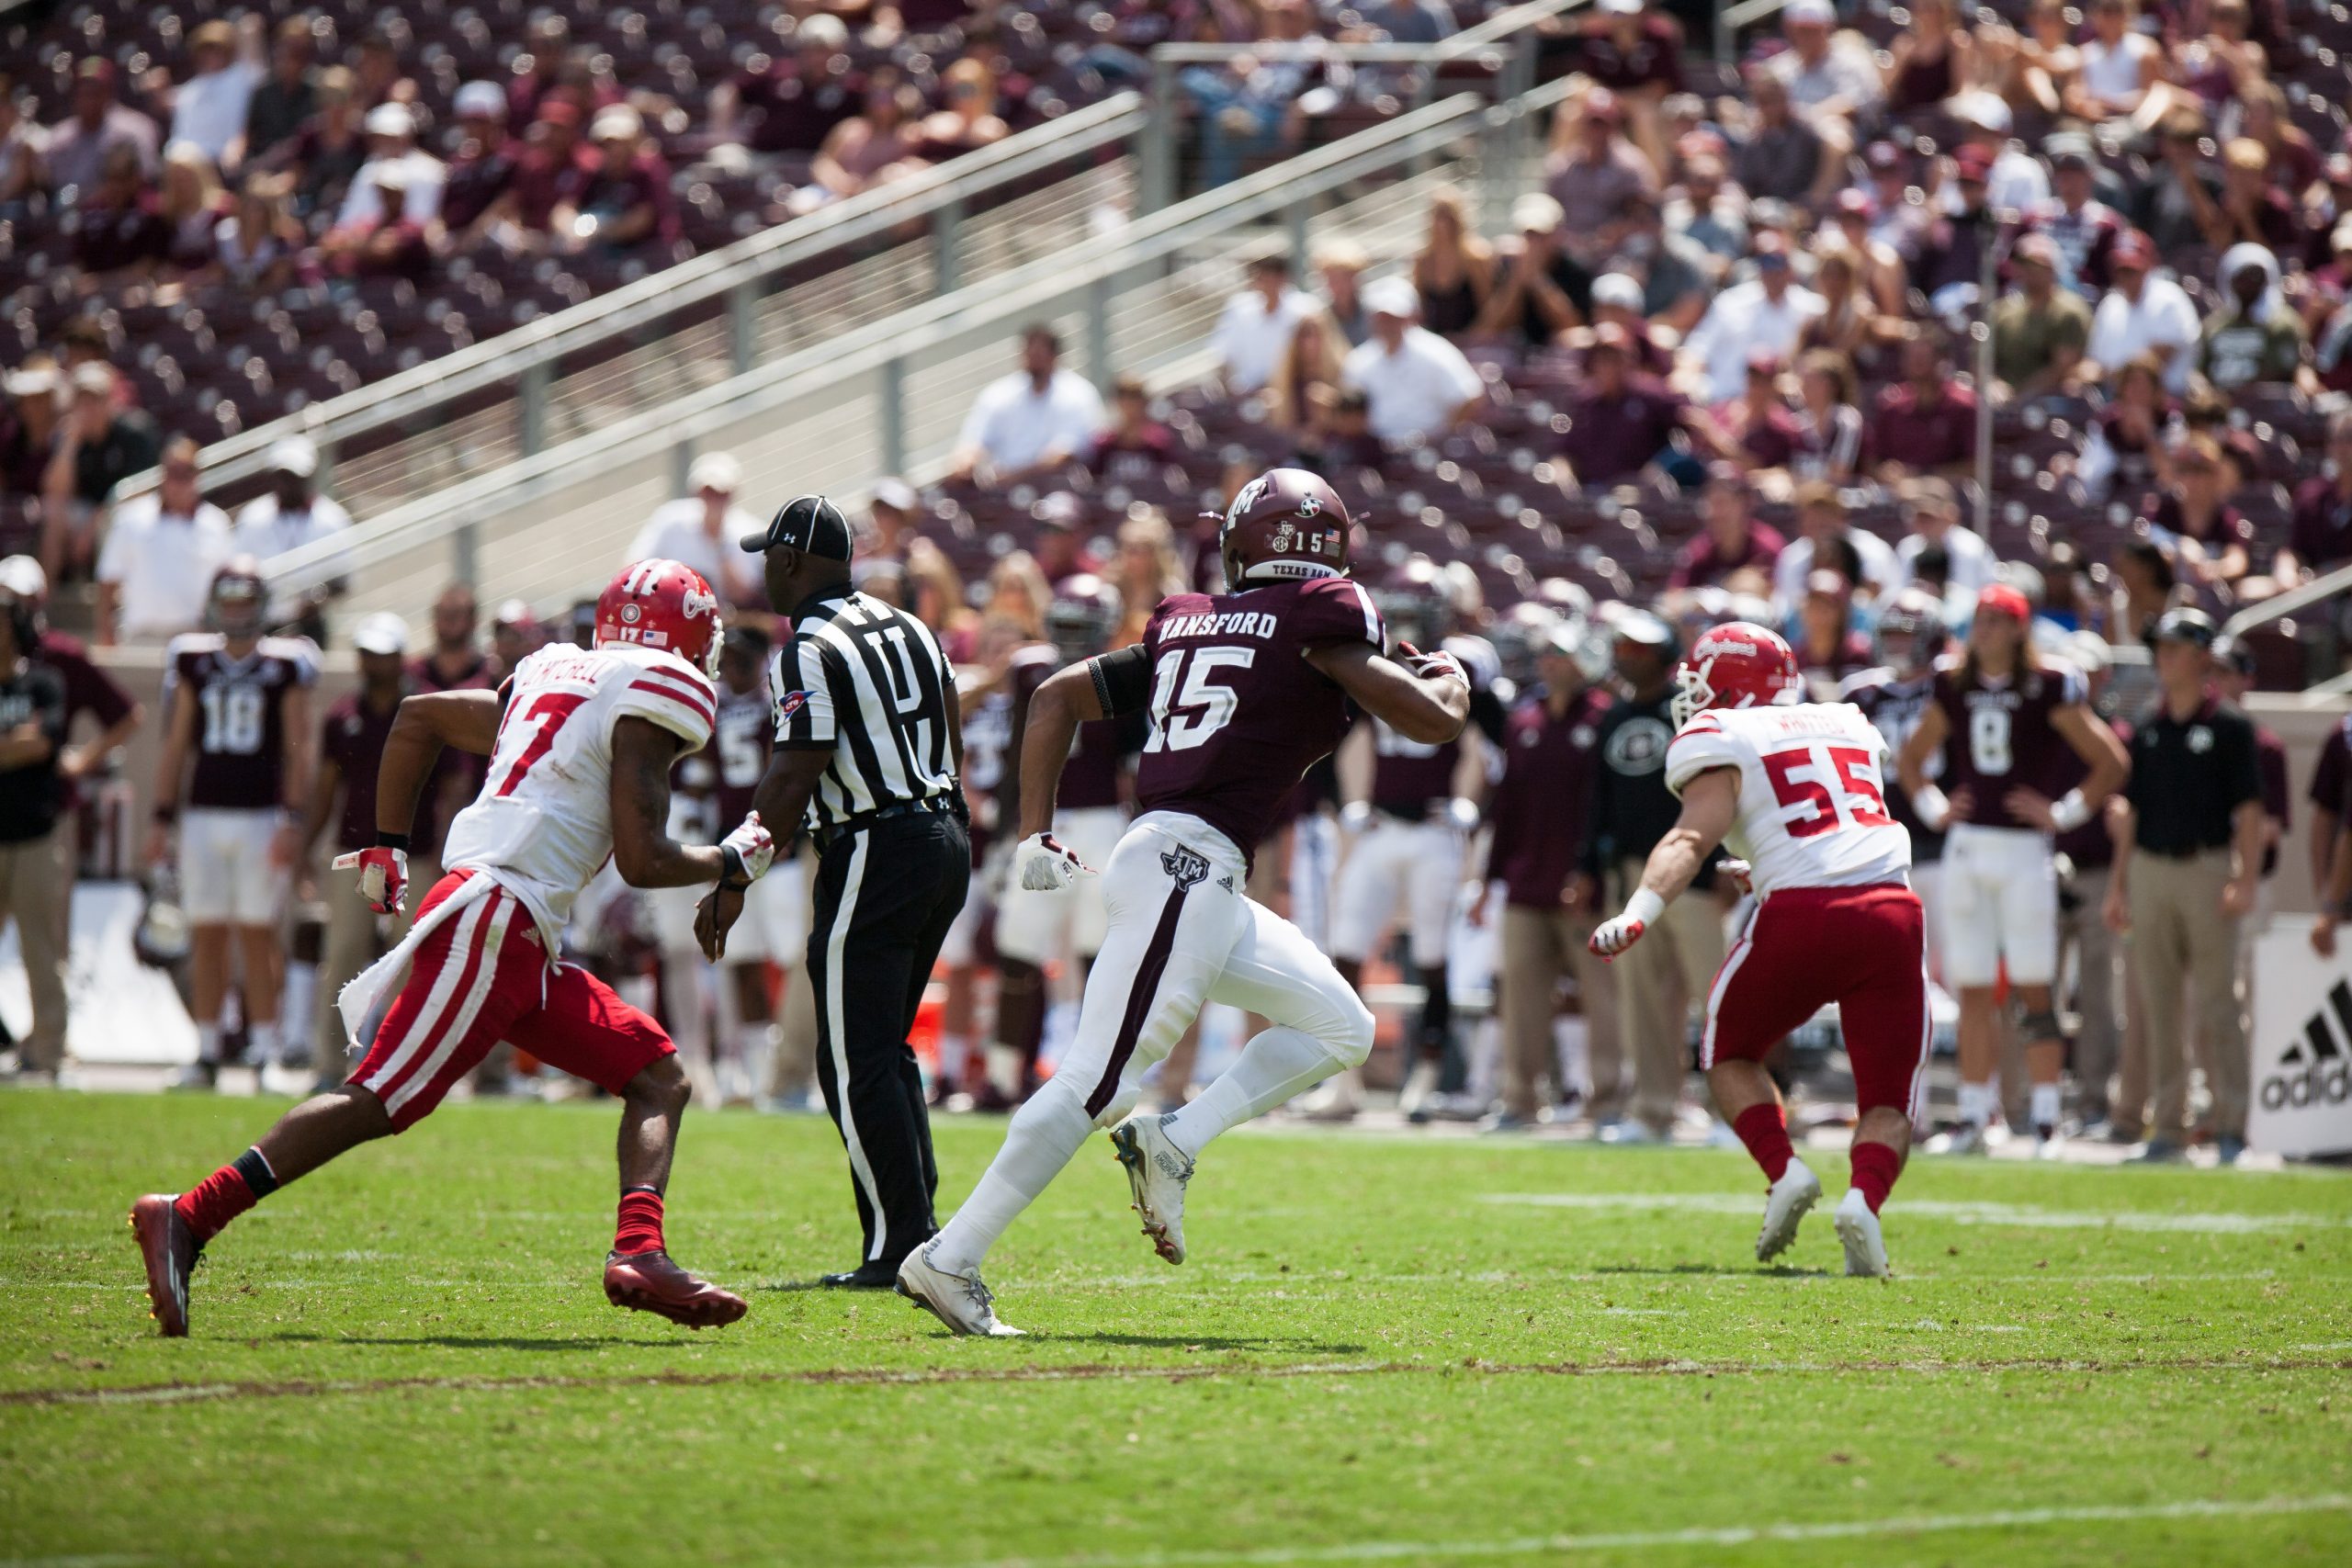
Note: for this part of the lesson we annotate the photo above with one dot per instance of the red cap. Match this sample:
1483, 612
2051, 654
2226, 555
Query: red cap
2134, 250
560, 111
1973, 162
1857, 202
2005, 599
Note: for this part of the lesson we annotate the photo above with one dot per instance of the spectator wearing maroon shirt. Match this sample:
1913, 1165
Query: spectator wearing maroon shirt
2084, 228
122, 229
2320, 536
621, 200
2252, 210
1636, 53
1827, 646
542, 70
2193, 513
327, 153
1617, 296
1136, 449
1926, 424
1620, 422
1734, 540
549, 172
481, 168
351, 747
391, 244
1758, 422
1538, 812
791, 103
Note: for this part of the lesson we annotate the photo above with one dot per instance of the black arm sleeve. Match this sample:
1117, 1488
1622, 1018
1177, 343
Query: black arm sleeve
1122, 679
1487, 713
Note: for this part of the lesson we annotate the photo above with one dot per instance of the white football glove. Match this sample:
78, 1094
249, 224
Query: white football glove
746, 851
1355, 816
383, 876
1742, 875
1462, 815
1432, 666
1612, 936
1046, 866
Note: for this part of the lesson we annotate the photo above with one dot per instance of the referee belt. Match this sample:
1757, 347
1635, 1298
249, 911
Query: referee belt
929, 806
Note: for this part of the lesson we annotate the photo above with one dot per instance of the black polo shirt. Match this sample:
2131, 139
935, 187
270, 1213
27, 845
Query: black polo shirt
2188, 779
31, 795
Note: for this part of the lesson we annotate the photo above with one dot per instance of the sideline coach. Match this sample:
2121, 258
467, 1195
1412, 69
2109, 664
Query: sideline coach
868, 749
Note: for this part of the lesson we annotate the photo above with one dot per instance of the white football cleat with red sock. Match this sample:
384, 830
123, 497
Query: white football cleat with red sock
1788, 1202
1858, 1229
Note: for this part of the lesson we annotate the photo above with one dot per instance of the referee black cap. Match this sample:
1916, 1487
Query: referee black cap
809, 524
2184, 624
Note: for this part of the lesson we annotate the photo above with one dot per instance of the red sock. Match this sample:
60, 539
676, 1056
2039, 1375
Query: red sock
641, 1226
1875, 1169
1765, 1131
214, 1201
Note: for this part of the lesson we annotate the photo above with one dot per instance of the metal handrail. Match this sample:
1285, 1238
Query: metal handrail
2278, 606
1013, 296
1501, 28
400, 398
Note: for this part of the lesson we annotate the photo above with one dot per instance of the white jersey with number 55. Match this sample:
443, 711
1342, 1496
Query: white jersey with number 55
1812, 793
543, 824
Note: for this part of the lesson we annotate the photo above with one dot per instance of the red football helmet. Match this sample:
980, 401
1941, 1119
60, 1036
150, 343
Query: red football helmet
1736, 665
664, 605
1285, 525
237, 598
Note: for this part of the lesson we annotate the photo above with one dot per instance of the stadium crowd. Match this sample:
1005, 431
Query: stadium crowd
1738, 353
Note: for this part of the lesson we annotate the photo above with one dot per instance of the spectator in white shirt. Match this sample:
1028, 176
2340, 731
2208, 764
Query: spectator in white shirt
291, 515
1763, 314
391, 141
1258, 322
1822, 540
160, 551
1831, 77
700, 530
2140, 313
208, 109
1034, 418
1417, 386
1933, 507
2018, 182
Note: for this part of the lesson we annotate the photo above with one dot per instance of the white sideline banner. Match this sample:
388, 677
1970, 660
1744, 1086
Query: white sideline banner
2301, 1101
117, 1008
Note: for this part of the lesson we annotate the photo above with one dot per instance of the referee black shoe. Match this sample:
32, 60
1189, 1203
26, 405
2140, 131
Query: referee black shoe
869, 1276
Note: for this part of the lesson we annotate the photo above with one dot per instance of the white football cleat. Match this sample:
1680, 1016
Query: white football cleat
1858, 1229
1788, 1202
959, 1300
1420, 1083
1968, 1138
1157, 1171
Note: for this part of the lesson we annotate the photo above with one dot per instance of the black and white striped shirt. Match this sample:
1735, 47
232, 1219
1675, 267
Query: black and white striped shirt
868, 684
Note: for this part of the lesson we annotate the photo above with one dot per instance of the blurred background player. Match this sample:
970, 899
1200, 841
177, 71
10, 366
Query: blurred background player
2003, 721
1893, 694
1796, 790
1409, 808
237, 753
1037, 928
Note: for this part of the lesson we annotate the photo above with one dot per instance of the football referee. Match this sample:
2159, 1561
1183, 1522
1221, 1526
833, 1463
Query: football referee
868, 749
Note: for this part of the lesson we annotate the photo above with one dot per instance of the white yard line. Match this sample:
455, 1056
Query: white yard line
2022, 1215
1734, 1536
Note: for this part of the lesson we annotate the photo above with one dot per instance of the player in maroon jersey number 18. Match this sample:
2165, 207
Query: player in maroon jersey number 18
1245, 691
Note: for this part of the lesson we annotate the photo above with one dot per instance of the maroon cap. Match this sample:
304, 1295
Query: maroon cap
2135, 250
96, 69
560, 111
1973, 162
1855, 202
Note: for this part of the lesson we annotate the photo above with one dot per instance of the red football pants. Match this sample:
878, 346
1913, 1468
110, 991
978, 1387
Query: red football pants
480, 978
1862, 948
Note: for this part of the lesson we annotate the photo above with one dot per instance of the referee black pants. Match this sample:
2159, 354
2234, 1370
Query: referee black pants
885, 896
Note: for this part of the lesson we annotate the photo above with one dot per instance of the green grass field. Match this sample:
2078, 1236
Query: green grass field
1384, 1350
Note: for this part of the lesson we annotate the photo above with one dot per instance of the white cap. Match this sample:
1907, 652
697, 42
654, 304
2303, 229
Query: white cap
1620, 7
390, 119
716, 471
32, 381
293, 454
22, 576
2089, 652
1537, 212
615, 120
896, 494
382, 632
1393, 297
94, 379
1982, 109
1617, 288
480, 100
821, 30
1820, 11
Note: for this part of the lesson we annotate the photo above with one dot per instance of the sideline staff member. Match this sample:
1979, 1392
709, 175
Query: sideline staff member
869, 746
32, 797
2188, 855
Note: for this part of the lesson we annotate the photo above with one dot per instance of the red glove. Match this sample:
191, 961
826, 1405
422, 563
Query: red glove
383, 876
1432, 666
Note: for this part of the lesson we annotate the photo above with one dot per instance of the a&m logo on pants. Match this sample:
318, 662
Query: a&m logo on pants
1188, 868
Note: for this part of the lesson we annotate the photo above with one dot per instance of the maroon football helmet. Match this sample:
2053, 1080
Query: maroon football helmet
234, 603
1285, 525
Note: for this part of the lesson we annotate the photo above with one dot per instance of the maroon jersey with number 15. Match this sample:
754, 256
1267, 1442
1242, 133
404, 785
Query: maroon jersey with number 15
1238, 713
240, 737
1998, 734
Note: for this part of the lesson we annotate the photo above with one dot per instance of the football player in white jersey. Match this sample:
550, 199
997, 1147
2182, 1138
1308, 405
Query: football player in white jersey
1796, 789
581, 743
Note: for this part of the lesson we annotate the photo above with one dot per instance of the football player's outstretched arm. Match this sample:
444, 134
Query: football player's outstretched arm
426, 722
1070, 697
1710, 806
1428, 703
643, 852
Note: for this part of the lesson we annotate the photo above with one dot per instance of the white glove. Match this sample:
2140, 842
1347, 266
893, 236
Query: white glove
1741, 874
1462, 815
1355, 816
747, 851
1048, 867
1613, 937
1432, 666
383, 876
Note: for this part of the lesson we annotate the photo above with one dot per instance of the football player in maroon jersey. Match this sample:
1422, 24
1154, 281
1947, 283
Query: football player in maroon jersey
239, 706
1244, 691
2005, 725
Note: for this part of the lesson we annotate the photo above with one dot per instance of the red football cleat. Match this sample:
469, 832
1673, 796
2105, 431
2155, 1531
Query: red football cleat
649, 1281
170, 1250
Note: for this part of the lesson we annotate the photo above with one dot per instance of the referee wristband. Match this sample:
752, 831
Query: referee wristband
391, 840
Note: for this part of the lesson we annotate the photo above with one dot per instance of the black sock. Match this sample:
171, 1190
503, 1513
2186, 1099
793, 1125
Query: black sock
257, 1172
